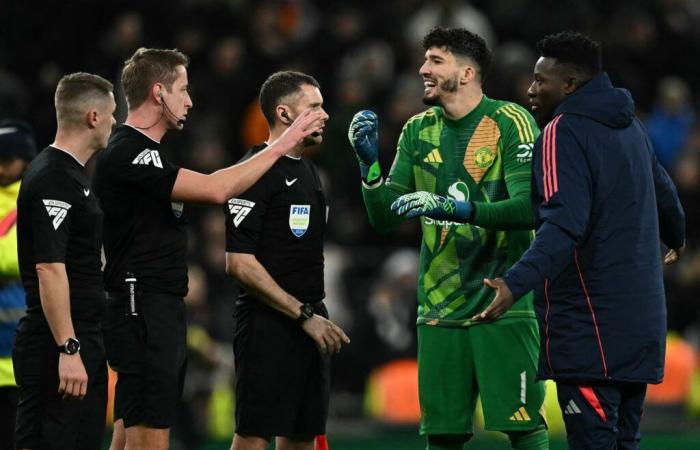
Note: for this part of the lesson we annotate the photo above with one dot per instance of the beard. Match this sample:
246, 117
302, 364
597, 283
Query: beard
449, 86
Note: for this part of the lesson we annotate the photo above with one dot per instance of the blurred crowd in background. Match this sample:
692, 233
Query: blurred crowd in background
366, 55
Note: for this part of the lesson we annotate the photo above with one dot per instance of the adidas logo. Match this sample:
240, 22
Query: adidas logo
520, 415
239, 209
147, 157
58, 210
433, 157
572, 408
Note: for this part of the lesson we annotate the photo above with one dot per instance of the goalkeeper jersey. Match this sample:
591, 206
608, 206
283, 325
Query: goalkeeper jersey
484, 157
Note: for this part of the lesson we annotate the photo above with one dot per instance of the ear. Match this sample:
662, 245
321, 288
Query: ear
91, 118
571, 83
157, 92
468, 75
282, 114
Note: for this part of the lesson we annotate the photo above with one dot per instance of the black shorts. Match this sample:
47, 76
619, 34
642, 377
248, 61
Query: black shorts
44, 420
282, 380
148, 352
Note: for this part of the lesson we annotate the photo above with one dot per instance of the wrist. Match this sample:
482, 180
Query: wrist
464, 211
70, 346
306, 311
370, 172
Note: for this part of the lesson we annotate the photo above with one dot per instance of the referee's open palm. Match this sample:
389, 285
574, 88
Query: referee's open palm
72, 378
328, 336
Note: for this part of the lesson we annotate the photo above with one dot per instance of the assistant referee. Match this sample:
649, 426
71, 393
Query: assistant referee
58, 354
274, 248
142, 195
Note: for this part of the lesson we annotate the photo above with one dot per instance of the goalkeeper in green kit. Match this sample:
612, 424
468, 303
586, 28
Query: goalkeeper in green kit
464, 167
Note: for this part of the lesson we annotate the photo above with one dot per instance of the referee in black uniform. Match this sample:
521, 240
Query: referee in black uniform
58, 355
145, 242
274, 248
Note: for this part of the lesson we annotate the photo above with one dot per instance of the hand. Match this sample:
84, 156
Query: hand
500, 304
310, 121
72, 377
674, 255
364, 138
431, 205
328, 336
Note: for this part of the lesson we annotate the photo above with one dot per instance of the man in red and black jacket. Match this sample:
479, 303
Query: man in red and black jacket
603, 203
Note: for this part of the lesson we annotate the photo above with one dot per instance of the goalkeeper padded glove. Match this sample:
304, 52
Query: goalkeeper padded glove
431, 205
364, 138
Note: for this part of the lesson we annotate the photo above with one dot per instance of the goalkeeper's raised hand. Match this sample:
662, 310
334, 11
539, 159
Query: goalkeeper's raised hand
364, 138
431, 205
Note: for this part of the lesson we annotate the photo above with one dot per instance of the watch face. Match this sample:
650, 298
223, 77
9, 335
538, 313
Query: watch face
72, 346
307, 311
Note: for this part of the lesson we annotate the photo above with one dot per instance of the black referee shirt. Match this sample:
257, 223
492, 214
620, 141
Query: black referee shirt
144, 231
60, 221
281, 220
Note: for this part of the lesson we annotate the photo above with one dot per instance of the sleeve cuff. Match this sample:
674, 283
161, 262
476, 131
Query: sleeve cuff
374, 185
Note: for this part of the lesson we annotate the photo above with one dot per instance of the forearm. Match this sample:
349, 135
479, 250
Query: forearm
225, 183
54, 293
258, 282
378, 199
511, 214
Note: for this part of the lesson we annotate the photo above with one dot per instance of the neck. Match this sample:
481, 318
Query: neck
150, 120
276, 132
79, 143
462, 103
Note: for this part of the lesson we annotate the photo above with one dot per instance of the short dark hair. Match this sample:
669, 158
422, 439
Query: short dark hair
278, 86
461, 42
576, 50
74, 95
148, 66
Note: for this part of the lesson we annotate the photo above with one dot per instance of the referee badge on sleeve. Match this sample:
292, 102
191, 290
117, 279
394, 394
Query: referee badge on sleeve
299, 219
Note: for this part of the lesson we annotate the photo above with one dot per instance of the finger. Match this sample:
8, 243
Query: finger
83, 389
414, 212
68, 391
490, 283
62, 385
329, 344
344, 337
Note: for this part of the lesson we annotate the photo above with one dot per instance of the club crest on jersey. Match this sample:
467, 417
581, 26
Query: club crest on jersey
483, 157
57, 211
239, 209
148, 157
299, 216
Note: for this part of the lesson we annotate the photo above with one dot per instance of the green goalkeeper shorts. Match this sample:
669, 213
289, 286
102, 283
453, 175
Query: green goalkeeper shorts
495, 360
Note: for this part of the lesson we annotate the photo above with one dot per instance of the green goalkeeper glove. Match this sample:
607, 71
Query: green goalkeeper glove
364, 138
435, 206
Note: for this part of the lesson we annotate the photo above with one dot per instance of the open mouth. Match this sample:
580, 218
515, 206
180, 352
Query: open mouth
429, 84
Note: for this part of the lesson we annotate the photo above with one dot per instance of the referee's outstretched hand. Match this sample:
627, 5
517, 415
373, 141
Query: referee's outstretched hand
328, 336
310, 121
72, 378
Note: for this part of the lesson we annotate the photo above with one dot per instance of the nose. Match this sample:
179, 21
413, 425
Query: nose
188, 102
324, 115
531, 90
424, 69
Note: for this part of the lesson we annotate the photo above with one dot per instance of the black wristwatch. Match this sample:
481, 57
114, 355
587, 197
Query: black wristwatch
70, 347
306, 310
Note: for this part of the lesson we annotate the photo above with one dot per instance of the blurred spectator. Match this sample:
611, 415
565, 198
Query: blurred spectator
670, 120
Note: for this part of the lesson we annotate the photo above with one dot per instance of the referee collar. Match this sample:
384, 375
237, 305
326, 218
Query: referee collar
68, 153
134, 128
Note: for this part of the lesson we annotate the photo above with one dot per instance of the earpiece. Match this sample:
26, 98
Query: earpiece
286, 116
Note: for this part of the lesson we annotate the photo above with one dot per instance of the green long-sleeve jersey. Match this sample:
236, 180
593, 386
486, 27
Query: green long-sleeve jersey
484, 157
